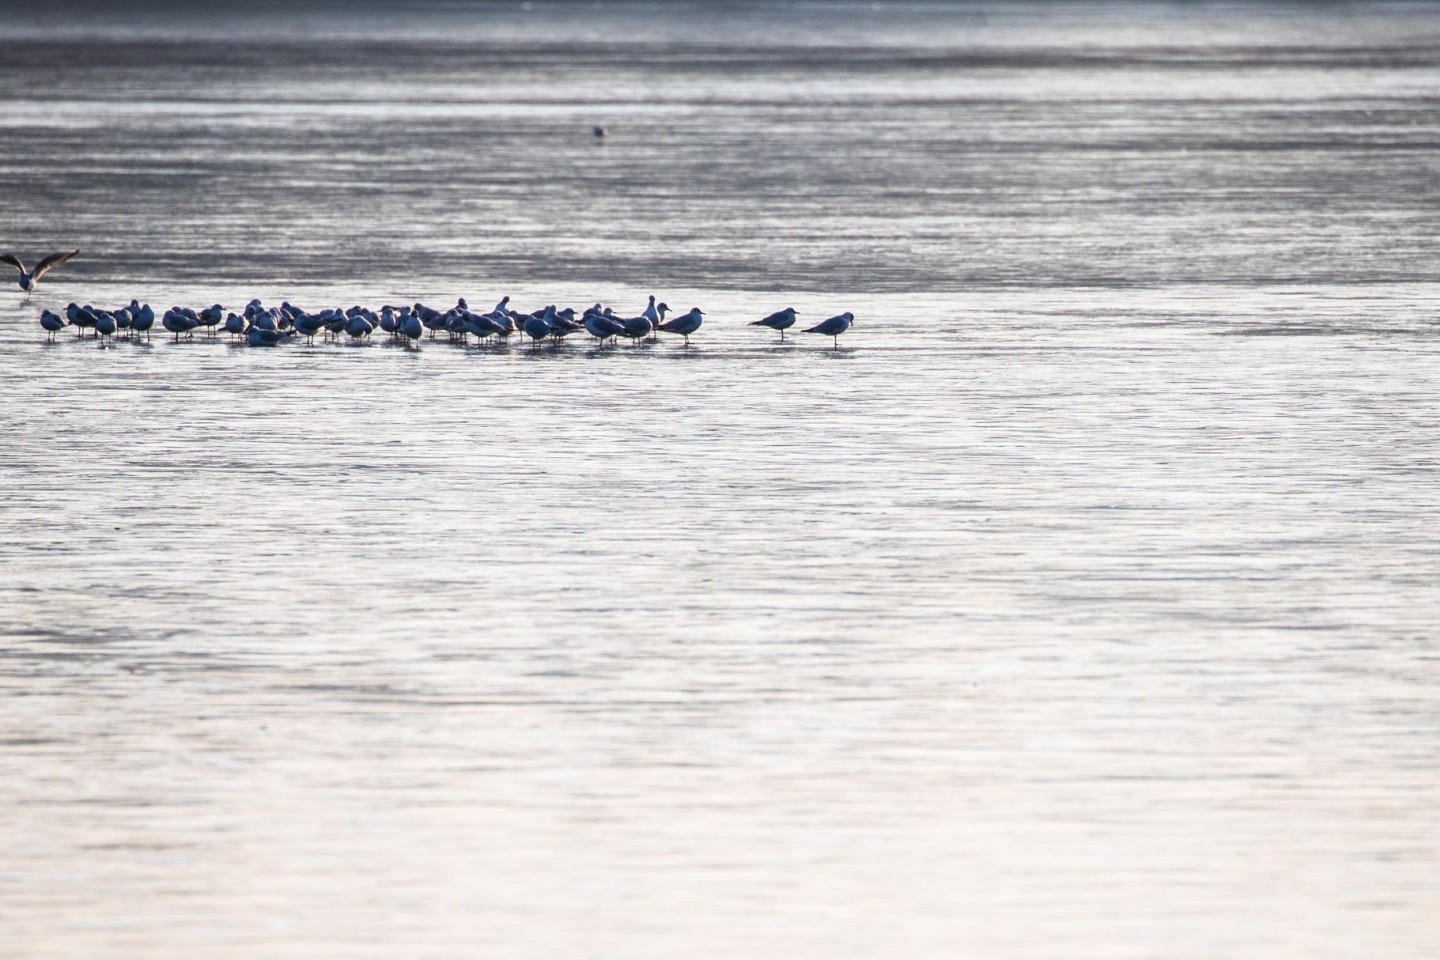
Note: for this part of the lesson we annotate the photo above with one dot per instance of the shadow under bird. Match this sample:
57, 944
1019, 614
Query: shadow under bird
685, 324
834, 326
781, 320
28, 279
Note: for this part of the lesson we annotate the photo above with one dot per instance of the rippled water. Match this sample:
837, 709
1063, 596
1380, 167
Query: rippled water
1082, 605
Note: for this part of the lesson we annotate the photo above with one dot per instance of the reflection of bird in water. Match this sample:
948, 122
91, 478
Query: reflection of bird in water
28, 280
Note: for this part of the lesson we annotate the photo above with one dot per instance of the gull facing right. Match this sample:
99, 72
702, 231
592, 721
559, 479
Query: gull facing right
781, 320
834, 326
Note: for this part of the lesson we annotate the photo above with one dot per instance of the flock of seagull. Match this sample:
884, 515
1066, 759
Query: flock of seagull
263, 326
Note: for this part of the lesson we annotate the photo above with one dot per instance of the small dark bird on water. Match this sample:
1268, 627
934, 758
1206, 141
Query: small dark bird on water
600, 132
28, 280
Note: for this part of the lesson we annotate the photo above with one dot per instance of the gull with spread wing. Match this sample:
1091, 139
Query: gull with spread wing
29, 279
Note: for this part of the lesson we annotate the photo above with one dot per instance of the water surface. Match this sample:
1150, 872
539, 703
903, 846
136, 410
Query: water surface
1081, 605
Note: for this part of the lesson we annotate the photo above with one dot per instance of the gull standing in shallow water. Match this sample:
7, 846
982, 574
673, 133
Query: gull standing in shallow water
834, 326
142, 318
685, 324
53, 323
781, 320
28, 280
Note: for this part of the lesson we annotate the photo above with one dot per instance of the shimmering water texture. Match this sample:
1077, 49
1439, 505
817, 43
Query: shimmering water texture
1082, 604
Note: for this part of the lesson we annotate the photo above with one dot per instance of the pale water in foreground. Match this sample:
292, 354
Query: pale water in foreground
1082, 605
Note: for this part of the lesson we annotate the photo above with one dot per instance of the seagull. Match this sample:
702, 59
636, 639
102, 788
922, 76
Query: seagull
538, 328
177, 323
781, 320
53, 323
260, 337
105, 325
358, 327
142, 318
28, 280
602, 327
685, 324
307, 325
655, 313
82, 318
636, 328
834, 326
210, 317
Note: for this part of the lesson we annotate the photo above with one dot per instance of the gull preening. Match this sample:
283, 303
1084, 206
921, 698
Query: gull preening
32, 277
